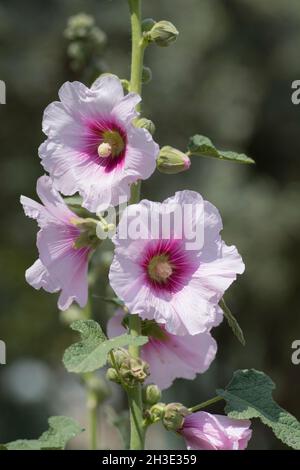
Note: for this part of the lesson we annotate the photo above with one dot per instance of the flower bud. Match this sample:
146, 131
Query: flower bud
139, 369
146, 124
151, 394
112, 375
172, 161
162, 33
146, 75
156, 412
120, 356
174, 415
147, 24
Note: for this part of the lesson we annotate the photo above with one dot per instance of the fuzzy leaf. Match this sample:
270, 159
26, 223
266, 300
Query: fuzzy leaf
249, 395
91, 352
61, 430
203, 146
232, 322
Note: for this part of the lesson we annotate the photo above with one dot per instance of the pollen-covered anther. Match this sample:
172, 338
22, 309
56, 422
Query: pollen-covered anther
112, 144
104, 150
160, 269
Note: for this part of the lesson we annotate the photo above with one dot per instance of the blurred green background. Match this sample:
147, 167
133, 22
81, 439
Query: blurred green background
229, 77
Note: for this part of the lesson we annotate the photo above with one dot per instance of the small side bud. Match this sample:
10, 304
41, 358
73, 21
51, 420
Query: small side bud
120, 356
146, 75
162, 33
146, 124
174, 415
172, 161
156, 412
151, 394
112, 375
147, 24
139, 369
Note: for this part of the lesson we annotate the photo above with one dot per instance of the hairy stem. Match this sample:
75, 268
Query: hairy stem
137, 430
92, 407
92, 402
205, 404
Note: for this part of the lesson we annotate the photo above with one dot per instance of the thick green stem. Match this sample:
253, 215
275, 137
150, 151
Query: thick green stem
137, 429
137, 55
92, 406
92, 403
205, 404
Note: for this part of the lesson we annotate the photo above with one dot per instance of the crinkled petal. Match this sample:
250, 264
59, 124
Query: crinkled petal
204, 431
38, 276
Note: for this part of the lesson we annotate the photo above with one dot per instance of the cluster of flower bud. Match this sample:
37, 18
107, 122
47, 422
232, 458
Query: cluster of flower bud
126, 369
172, 415
86, 40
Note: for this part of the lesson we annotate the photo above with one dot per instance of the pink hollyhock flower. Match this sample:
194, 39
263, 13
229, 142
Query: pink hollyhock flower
60, 266
166, 277
170, 356
92, 145
204, 431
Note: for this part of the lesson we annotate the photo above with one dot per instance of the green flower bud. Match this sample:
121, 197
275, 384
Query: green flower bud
146, 124
151, 394
162, 33
120, 356
174, 415
147, 24
172, 161
112, 375
146, 75
139, 369
156, 412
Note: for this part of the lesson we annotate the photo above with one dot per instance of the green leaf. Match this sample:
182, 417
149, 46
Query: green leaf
232, 322
203, 146
61, 430
249, 395
91, 353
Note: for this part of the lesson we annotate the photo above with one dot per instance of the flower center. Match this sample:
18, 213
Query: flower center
160, 268
112, 144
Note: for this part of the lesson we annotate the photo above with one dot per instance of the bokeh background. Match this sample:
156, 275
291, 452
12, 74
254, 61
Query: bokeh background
229, 77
